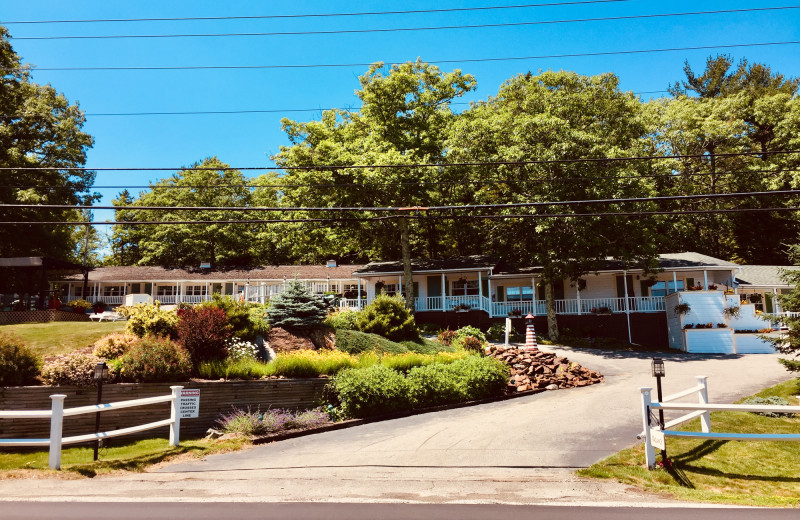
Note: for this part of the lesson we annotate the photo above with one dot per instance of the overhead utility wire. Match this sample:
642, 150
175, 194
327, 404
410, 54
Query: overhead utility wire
407, 29
674, 176
411, 217
465, 60
314, 15
394, 166
326, 209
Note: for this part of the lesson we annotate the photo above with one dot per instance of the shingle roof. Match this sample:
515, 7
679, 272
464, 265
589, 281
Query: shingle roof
421, 264
271, 272
763, 275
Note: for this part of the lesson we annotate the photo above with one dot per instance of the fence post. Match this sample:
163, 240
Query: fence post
649, 451
56, 423
175, 417
705, 419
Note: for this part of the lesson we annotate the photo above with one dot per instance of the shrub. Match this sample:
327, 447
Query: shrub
247, 320
203, 331
470, 343
425, 346
446, 337
344, 319
471, 331
433, 385
296, 308
480, 377
148, 318
313, 418
257, 423
75, 369
311, 363
240, 349
114, 345
366, 392
497, 332
244, 422
155, 360
389, 317
18, 364
354, 342
429, 328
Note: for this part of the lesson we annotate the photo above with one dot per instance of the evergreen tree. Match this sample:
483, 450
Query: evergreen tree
790, 343
296, 308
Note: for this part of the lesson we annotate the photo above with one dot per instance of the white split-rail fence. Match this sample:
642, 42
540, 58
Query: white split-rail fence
703, 410
57, 413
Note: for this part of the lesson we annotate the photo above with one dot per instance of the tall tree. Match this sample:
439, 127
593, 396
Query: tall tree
402, 121
38, 128
209, 183
567, 118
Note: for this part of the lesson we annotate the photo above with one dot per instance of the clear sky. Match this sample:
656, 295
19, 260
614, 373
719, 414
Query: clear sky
249, 139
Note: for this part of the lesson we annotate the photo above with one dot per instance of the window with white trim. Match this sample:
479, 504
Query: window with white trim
195, 290
112, 290
519, 293
165, 290
465, 287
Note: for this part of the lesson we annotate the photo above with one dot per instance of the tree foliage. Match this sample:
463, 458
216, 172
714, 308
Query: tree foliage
39, 128
296, 308
790, 342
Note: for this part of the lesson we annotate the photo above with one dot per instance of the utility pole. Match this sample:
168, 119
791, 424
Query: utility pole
85, 263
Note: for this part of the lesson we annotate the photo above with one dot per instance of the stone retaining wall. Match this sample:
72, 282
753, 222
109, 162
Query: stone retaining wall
216, 397
48, 315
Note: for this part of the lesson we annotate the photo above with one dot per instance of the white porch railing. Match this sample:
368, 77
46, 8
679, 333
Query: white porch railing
352, 303
57, 413
701, 409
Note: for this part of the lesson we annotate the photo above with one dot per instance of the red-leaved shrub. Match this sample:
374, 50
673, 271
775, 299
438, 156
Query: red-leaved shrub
446, 337
203, 331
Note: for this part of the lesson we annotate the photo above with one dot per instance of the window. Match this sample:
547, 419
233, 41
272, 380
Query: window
390, 289
112, 290
520, 293
661, 288
195, 290
465, 288
165, 290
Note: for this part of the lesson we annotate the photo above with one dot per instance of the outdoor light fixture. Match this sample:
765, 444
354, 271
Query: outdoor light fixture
100, 374
658, 368
658, 373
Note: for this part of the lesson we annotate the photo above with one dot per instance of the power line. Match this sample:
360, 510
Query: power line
435, 62
333, 209
673, 176
407, 29
400, 166
411, 217
314, 15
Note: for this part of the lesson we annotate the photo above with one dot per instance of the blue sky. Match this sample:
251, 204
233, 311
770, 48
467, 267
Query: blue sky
249, 139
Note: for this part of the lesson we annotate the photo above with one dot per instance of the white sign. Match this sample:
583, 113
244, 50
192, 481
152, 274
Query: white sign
190, 403
508, 329
657, 439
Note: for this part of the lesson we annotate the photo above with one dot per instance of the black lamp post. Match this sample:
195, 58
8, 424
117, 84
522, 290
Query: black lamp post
100, 373
658, 373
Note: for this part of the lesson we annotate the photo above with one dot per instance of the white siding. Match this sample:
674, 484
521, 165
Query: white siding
709, 341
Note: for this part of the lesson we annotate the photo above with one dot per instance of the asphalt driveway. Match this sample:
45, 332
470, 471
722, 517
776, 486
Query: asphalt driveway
517, 451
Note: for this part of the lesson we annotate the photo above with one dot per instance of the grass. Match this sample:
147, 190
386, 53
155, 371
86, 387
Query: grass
131, 456
61, 337
744, 473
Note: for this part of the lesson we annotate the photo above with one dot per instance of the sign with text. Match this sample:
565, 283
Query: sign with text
190, 403
657, 439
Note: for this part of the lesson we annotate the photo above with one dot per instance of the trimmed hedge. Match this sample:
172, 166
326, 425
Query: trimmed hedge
379, 390
355, 342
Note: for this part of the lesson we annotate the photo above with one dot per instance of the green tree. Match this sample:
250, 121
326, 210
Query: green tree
208, 184
790, 343
402, 121
39, 128
296, 308
559, 116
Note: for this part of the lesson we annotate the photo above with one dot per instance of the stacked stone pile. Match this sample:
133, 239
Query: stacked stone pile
537, 370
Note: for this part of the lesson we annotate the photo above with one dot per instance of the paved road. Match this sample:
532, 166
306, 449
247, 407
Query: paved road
306, 511
521, 451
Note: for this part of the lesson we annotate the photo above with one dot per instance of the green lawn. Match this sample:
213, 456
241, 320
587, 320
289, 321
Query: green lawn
746, 473
59, 337
131, 456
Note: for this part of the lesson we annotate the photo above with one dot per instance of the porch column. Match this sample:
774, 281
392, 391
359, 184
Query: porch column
627, 307
444, 292
491, 302
96, 292
705, 279
208, 286
533, 297
358, 302
177, 292
674, 282
480, 290
69, 292
578, 296
328, 283
776, 308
